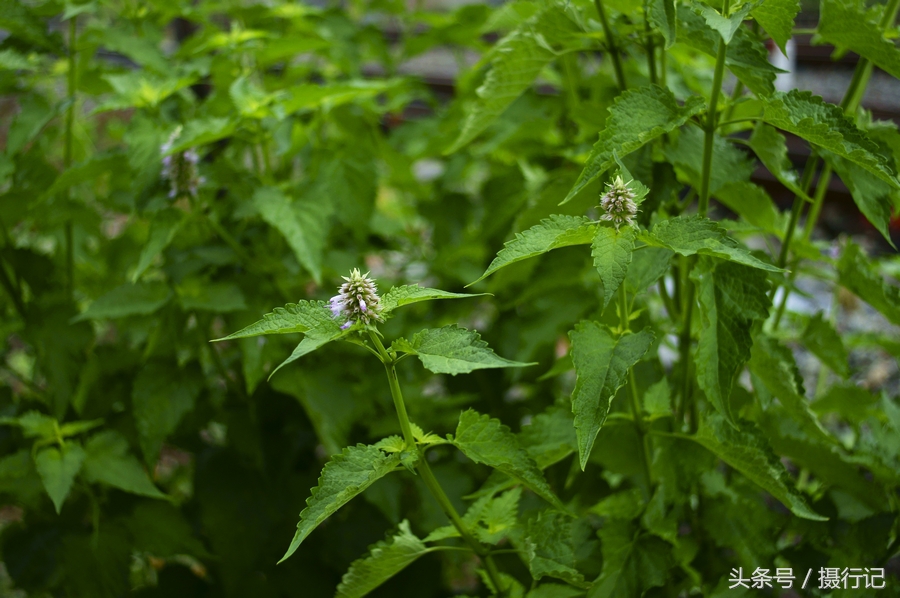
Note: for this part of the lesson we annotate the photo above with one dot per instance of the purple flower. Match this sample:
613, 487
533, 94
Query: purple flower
357, 301
180, 169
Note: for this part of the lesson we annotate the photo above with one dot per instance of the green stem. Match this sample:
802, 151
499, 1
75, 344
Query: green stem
424, 469
636, 411
703, 204
611, 46
11, 290
684, 347
67, 155
651, 53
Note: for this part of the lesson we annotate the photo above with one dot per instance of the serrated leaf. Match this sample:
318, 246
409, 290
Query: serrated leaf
847, 25
385, 559
407, 294
497, 518
690, 235
139, 299
746, 56
58, 468
302, 316
777, 18
108, 461
637, 117
661, 14
770, 147
160, 397
633, 562
823, 340
874, 198
163, 228
747, 451
611, 250
732, 297
345, 476
485, 440
725, 26
550, 548
37, 425
302, 224
754, 205
552, 233
453, 350
516, 61
857, 275
601, 362
774, 365
826, 125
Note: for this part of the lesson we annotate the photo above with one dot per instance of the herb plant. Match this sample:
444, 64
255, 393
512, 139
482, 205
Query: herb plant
665, 416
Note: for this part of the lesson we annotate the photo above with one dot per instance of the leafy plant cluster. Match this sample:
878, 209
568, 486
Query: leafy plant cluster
634, 422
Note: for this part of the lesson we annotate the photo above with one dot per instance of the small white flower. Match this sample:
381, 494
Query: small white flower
357, 301
180, 169
618, 203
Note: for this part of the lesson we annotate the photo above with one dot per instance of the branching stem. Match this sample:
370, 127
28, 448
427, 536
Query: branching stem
424, 469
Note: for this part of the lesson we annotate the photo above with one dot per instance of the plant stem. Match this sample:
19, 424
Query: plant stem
611, 46
424, 469
684, 347
67, 152
709, 137
651, 53
636, 411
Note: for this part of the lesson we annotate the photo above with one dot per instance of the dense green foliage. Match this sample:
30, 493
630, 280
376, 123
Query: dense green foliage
615, 408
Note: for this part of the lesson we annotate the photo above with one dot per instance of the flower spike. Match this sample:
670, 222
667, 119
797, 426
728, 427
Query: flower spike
618, 203
357, 301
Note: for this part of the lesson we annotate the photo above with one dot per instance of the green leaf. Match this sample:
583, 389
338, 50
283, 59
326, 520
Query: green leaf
141, 89
601, 362
302, 316
777, 18
754, 205
345, 476
774, 365
725, 26
108, 461
647, 266
139, 299
746, 56
552, 233
453, 350
747, 451
637, 117
826, 125
37, 425
771, 148
554, 590
302, 224
823, 340
550, 548
203, 131
58, 468
847, 25
689, 235
385, 559
661, 14
163, 228
160, 397
497, 517
872, 196
218, 297
485, 440
407, 294
633, 562
857, 275
611, 250
516, 61
732, 297
550, 437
